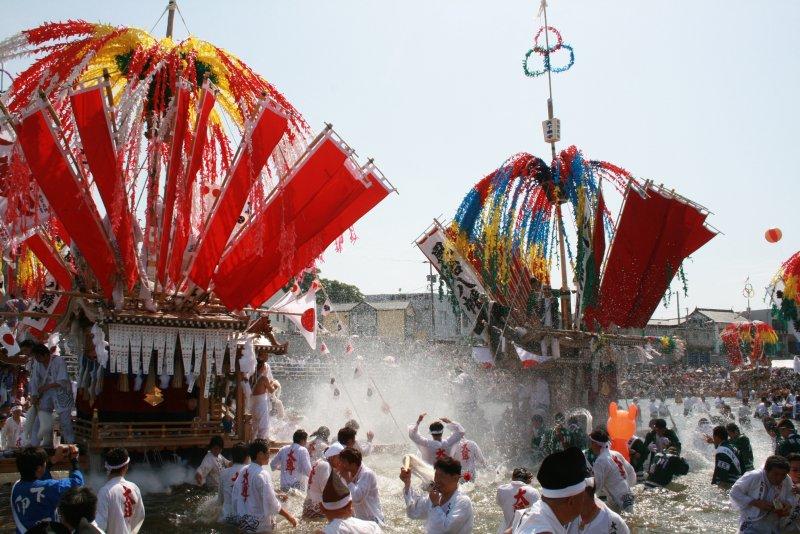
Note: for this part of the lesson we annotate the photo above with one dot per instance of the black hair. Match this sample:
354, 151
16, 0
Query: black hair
793, 457
436, 426
40, 349
448, 465
732, 427
351, 455
239, 453
598, 434
117, 456
776, 462
48, 527
522, 475
660, 423
76, 504
352, 423
216, 441
256, 446
299, 435
346, 435
29, 460
720, 432
26, 343
785, 423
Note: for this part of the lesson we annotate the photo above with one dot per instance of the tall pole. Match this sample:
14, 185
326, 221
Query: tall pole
433, 306
678, 295
171, 7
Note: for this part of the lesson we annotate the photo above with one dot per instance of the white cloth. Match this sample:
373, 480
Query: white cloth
352, 525
630, 472
254, 499
611, 479
537, 519
226, 479
55, 372
316, 448
471, 457
431, 449
605, 522
120, 509
13, 434
317, 479
453, 517
365, 447
755, 485
365, 496
259, 408
516, 495
210, 468
294, 464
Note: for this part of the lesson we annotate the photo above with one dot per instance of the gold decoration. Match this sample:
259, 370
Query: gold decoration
154, 398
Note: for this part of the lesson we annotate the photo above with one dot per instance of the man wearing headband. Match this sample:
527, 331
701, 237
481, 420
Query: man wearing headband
516, 495
790, 441
35, 496
434, 449
254, 500
13, 432
445, 509
727, 467
120, 509
764, 497
596, 518
320, 472
611, 471
241, 459
563, 479
337, 505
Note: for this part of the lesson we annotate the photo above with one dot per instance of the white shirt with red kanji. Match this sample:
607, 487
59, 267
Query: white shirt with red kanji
514, 496
431, 449
317, 479
226, 479
295, 466
471, 457
120, 509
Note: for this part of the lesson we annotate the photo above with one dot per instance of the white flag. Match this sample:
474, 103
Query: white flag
483, 355
326, 307
8, 341
304, 315
529, 359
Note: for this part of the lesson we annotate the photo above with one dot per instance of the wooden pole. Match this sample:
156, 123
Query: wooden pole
171, 7
566, 311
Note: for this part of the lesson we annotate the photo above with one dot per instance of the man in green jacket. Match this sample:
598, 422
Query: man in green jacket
742, 444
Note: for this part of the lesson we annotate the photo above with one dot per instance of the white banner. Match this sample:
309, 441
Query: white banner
465, 285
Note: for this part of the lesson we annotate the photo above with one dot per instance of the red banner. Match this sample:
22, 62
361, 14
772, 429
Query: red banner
250, 159
43, 248
183, 220
174, 169
91, 118
68, 198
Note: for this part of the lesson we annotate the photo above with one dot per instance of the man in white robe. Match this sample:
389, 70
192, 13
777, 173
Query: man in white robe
435, 449
120, 509
208, 472
50, 390
320, 472
319, 442
445, 509
609, 472
471, 457
516, 495
362, 484
259, 400
763, 497
12, 435
338, 507
240, 459
562, 476
293, 462
596, 517
254, 500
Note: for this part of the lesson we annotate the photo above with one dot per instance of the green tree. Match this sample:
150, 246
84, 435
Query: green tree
339, 291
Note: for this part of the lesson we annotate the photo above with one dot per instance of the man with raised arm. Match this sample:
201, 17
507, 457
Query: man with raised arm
445, 509
435, 448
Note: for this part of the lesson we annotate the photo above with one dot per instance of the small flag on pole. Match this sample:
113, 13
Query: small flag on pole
8, 341
349, 348
483, 355
529, 359
326, 307
323, 348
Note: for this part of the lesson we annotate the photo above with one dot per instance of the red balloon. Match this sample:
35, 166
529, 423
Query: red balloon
773, 235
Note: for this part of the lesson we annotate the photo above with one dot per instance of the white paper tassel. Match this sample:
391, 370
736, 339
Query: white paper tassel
100, 345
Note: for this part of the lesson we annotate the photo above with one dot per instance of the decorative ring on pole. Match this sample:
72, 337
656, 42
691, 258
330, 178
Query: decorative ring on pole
545, 52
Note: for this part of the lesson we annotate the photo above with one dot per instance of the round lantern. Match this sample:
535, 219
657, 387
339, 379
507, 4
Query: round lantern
773, 235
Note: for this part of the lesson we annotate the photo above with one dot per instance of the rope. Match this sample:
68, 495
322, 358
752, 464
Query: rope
159, 19
180, 14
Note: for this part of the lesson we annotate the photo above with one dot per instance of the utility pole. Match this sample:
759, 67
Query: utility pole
171, 7
431, 281
678, 295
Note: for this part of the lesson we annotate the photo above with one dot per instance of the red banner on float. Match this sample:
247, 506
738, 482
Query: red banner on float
183, 220
174, 169
43, 248
251, 157
68, 198
91, 118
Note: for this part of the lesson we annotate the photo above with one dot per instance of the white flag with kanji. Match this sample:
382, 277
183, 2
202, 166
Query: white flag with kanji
529, 359
303, 312
8, 341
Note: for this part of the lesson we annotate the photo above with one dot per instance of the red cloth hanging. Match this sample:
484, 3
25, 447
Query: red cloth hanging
174, 169
250, 159
183, 221
68, 198
91, 118
43, 248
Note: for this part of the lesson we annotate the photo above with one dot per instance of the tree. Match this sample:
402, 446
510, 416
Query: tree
339, 291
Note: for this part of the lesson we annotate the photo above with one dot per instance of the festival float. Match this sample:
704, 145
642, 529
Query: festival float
511, 229
155, 193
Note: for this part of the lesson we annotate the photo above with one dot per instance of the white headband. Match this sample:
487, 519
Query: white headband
602, 443
569, 491
338, 505
115, 467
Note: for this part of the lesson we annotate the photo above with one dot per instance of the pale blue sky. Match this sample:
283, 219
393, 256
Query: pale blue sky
701, 96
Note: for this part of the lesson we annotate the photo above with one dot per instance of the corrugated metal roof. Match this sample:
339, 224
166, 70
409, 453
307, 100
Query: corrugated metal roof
343, 306
390, 305
664, 322
722, 316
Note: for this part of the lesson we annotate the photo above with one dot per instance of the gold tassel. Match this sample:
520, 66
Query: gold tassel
123, 384
177, 378
150, 383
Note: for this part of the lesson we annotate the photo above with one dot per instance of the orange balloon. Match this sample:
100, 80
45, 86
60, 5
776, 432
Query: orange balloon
773, 235
621, 426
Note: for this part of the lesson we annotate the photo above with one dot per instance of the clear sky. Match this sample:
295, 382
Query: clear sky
701, 96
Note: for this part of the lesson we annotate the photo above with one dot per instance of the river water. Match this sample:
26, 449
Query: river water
692, 505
